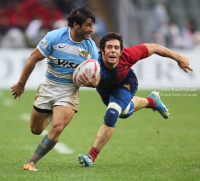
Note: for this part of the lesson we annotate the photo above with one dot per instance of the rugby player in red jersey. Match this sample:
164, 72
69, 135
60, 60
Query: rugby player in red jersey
118, 83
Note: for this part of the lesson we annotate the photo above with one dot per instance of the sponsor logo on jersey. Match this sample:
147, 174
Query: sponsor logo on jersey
127, 86
44, 43
67, 64
61, 46
84, 53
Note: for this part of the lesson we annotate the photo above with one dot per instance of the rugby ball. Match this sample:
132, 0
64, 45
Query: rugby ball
90, 67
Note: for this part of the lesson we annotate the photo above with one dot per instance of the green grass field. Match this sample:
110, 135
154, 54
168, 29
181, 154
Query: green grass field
144, 147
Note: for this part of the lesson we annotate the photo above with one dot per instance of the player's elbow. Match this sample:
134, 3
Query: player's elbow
153, 48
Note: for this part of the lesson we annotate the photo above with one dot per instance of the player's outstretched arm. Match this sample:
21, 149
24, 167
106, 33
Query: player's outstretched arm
18, 88
183, 62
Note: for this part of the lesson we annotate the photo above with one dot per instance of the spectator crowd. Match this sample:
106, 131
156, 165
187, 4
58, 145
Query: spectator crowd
23, 23
166, 32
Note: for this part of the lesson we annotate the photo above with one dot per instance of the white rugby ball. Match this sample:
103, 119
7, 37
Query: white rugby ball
90, 67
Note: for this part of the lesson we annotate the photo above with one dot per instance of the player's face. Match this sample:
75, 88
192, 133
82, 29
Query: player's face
83, 32
111, 53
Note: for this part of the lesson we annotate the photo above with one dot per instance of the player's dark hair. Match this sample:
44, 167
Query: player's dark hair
79, 16
111, 36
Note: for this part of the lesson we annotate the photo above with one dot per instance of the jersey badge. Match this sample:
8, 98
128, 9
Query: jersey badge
44, 43
36, 96
84, 53
126, 66
127, 86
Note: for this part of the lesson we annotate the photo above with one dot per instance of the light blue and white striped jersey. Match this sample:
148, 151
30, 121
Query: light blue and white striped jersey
64, 55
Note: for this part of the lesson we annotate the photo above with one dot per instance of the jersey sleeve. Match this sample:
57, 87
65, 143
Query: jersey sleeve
135, 53
101, 63
94, 51
45, 46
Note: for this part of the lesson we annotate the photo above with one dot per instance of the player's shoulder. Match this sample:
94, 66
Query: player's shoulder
58, 32
128, 53
92, 46
90, 42
58, 35
134, 49
125, 49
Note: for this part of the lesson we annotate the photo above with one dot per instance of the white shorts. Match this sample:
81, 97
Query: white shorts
52, 94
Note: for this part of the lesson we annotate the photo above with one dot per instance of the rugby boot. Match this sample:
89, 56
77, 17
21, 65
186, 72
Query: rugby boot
160, 107
29, 166
85, 161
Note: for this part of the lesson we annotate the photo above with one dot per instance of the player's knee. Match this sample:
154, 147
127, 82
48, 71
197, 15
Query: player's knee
112, 114
36, 131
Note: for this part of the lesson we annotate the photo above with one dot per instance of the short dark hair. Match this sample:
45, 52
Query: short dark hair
79, 16
111, 36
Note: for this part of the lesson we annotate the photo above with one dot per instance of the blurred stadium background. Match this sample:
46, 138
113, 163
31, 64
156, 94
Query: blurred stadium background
172, 23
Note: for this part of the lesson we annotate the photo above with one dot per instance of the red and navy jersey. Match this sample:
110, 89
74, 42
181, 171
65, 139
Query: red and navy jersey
128, 58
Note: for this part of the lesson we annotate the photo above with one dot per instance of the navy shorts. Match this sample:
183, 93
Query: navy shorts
121, 93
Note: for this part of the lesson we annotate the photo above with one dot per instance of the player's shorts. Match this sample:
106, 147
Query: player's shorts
52, 94
121, 93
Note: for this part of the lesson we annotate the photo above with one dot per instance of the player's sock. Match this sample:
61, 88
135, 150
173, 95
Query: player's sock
94, 153
152, 103
43, 148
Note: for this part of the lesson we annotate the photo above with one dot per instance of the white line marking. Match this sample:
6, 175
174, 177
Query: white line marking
25, 117
60, 147
8, 102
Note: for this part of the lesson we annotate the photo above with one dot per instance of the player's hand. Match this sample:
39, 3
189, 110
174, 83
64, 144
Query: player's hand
88, 82
184, 63
17, 90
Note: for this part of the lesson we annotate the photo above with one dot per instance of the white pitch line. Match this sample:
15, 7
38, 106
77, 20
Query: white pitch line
25, 117
8, 102
60, 147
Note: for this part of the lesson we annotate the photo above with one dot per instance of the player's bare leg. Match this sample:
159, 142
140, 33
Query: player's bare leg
61, 118
139, 103
153, 101
39, 121
103, 136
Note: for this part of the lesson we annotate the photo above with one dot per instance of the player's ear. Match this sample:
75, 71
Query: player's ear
102, 52
75, 25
